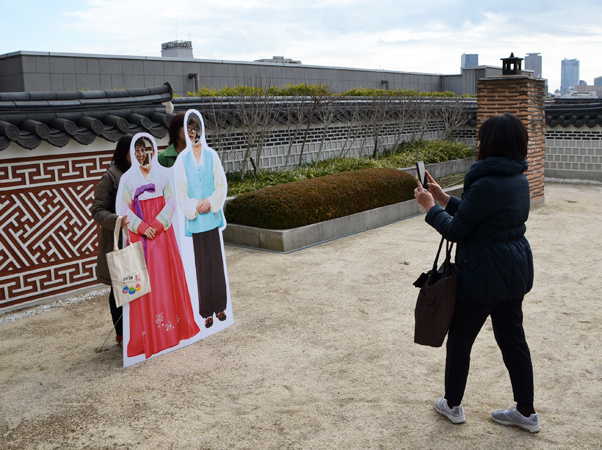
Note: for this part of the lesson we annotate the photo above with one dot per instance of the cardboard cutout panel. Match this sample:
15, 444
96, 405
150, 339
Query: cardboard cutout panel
201, 189
171, 315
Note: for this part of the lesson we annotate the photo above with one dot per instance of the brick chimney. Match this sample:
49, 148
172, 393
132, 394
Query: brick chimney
522, 96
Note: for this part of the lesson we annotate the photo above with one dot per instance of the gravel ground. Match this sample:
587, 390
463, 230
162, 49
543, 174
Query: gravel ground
320, 356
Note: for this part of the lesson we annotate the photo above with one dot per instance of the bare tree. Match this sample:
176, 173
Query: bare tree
253, 111
422, 115
296, 111
453, 114
317, 94
351, 119
326, 114
378, 117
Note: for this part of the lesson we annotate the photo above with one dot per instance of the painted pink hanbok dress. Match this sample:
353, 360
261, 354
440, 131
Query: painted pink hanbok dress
164, 317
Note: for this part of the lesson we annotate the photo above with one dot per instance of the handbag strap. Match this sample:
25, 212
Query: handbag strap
448, 250
447, 263
438, 252
116, 234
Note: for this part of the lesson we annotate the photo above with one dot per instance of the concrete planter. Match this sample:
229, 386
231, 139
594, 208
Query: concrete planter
298, 238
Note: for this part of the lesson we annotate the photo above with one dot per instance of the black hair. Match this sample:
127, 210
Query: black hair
175, 124
120, 157
503, 135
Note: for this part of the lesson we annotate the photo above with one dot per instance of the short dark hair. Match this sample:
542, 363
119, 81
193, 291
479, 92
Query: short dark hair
120, 157
175, 124
503, 135
194, 120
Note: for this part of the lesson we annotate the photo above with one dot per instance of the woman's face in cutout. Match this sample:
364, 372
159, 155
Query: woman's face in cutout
143, 153
193, 130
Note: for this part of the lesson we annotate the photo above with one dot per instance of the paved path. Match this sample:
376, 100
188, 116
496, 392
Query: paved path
321, 355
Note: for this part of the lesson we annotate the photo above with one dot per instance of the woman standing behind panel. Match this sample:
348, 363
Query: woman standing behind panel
103, 212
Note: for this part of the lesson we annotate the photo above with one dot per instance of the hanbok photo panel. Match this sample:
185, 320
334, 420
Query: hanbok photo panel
168, 317
201, 189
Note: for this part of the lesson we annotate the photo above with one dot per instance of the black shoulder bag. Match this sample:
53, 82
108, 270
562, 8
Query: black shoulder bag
436, 300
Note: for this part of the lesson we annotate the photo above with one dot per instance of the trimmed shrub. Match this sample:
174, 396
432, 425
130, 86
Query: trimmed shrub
405, 155
305, 202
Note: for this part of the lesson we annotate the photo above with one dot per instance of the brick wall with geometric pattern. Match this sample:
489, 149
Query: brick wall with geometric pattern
48, 240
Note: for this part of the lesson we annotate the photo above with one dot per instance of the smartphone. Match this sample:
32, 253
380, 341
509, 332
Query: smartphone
422, 174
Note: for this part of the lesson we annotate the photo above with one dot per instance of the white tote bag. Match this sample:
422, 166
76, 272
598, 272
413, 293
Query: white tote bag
127, 267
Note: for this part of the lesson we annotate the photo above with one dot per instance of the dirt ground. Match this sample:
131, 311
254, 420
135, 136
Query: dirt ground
321, 355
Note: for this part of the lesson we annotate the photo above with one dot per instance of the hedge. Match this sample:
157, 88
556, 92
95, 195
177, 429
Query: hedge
305, 202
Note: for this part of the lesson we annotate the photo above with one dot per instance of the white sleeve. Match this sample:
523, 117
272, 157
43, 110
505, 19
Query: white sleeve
218, 197
187, 204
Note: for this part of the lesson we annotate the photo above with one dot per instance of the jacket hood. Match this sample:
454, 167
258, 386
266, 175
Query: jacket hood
494, 165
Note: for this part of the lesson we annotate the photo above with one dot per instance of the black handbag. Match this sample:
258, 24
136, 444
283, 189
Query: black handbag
436, 300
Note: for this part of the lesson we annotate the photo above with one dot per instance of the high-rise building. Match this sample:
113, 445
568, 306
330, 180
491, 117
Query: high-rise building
470, 59
569, 74
598, 81
533, 62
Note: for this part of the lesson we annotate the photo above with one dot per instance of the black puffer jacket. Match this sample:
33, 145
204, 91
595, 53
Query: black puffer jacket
493, 255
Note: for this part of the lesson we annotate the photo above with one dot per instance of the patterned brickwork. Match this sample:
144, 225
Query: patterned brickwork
48, 240
524, 97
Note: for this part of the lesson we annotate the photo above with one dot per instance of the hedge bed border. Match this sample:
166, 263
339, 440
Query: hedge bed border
286, 241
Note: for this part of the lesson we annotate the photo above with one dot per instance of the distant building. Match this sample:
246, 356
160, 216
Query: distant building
582, 83
177, 49
470, 59
533, 62
598, 81
592, 91
569, 75
278, 59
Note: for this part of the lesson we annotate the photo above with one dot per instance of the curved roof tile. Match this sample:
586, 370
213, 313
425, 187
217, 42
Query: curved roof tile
28, 118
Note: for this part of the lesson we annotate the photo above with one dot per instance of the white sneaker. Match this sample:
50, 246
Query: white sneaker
455, 414
511, 416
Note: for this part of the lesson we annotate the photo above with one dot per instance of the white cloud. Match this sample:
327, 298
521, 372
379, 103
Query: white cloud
397, 35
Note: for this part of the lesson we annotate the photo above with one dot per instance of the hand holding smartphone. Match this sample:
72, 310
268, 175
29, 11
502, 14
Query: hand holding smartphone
422, 174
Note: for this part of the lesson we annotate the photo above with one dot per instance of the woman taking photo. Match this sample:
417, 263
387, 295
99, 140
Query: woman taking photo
495, 263
103, 212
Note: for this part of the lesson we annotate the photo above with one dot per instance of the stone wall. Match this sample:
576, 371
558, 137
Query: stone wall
574, 153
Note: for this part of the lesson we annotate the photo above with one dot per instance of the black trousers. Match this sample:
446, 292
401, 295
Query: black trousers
210, 276
507, 321
116, 314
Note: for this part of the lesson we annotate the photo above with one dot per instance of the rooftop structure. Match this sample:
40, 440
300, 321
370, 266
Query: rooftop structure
177, 49
278, 59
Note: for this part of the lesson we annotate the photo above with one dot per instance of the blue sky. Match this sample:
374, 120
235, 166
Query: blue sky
397, 35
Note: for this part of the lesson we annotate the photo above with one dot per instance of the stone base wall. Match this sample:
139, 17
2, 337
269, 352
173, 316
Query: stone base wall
574, 153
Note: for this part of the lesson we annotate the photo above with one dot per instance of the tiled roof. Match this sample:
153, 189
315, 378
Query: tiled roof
575, 113
28, 118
